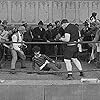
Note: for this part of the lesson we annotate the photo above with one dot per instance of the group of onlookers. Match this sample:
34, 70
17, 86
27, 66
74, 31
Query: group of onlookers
56, 32
38, 34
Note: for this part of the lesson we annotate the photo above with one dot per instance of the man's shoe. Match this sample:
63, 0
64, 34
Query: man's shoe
70, 77
23, 67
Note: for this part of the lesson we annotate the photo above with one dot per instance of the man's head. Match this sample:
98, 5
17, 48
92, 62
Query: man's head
94, 14
1, 29
40, 24
57, 23
5, 22
24, 23
21, 29
36, 50
64, 23
50, 26
86, 24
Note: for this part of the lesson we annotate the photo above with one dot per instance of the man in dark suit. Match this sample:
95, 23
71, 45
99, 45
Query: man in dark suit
49, 38
38, 35
58, 31
27, 37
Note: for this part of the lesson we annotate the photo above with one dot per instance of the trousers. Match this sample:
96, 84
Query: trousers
15, 55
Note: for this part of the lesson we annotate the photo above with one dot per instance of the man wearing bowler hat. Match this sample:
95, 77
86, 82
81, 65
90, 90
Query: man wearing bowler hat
38, 35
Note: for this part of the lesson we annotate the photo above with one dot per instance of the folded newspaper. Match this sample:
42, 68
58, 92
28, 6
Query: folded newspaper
90, 80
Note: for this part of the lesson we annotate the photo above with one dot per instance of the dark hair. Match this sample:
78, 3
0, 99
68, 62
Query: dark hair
4, 21
49, 25
85, 23
36, 49
94, 14
64, 21
77, 24
0, 21
57, 22
40, 23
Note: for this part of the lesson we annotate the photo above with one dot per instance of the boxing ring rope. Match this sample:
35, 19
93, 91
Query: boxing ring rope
48, 72
45, 72
53, 42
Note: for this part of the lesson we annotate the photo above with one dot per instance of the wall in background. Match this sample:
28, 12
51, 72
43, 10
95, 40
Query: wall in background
76, 11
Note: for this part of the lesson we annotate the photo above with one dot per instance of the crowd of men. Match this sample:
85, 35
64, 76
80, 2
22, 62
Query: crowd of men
62, 31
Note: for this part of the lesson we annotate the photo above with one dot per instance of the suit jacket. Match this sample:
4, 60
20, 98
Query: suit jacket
49, 35
27, 35
38, 34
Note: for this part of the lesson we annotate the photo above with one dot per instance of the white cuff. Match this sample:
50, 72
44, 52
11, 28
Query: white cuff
46, 62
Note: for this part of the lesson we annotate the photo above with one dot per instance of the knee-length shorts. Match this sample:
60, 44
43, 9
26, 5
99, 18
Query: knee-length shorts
70, 51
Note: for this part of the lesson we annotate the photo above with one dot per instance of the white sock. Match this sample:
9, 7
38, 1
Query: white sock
68, 65
77, 63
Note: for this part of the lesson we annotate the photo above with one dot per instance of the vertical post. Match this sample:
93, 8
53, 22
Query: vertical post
64, 16
50, 11
37, 11
90, 8
77, 12
9, 11
23, 10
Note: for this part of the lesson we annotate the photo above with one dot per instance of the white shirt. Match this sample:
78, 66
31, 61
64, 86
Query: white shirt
66, 38
17, 38
4, 35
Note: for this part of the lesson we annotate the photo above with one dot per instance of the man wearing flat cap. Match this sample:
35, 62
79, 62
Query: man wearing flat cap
16, 47
70, 50
38, 35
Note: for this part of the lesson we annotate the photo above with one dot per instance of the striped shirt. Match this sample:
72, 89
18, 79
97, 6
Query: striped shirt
41, 59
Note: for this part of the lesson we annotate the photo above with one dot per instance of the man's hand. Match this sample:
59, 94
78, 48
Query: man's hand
53, 62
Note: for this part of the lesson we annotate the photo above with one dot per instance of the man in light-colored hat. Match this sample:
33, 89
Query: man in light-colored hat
16, 47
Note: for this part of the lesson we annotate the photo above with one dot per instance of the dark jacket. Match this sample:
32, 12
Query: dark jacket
38, 34
73, 31
49, 35
27, 35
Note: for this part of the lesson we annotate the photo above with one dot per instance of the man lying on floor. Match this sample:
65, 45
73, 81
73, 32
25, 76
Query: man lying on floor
43, 62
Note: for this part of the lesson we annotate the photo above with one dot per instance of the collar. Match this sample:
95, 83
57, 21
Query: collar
20, 33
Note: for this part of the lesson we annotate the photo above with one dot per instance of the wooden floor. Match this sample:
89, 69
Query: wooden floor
24, 76
23, 86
